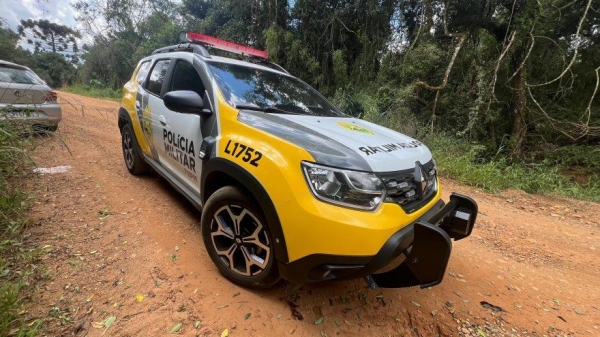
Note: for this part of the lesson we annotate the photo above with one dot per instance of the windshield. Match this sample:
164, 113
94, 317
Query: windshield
21, 76
252, 88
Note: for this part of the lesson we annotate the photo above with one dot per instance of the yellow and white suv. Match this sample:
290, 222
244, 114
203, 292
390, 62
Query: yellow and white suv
288, 185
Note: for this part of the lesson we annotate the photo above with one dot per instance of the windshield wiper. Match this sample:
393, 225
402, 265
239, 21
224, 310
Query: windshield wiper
278, 110
248, 106
272, 109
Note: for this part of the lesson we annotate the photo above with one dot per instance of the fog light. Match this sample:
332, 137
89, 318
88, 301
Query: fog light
460, 221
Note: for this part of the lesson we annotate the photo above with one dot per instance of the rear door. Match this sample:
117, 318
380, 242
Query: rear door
141, 107
152, 108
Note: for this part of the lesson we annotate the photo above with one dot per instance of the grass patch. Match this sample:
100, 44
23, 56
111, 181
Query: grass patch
96, 92
18, 267
462, 161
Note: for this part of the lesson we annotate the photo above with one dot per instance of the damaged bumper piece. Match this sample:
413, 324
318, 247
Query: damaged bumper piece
420, 250
426, 245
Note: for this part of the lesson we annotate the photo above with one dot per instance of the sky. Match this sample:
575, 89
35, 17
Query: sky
57, 11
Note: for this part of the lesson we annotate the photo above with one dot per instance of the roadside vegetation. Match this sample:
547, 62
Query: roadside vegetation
19, 261
562, 172
94, 90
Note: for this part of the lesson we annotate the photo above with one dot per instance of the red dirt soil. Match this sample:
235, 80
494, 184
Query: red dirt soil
130, 247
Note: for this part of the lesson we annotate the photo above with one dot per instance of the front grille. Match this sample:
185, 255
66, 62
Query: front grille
403, 190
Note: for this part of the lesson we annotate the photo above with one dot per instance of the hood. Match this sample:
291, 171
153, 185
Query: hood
348, 143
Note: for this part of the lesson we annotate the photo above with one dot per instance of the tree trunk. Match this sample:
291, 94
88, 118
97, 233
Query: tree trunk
519, 130
53, 42
428, 13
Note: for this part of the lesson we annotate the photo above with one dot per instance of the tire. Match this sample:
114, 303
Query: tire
131, 152
245, 254
51, 128
44, 129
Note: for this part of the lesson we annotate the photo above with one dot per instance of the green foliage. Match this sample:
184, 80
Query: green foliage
573, 156
340, 68
16, 267
53, 68
158, 31
292, 55
95, 89
8, 40
9, 50
463, 161
133, 29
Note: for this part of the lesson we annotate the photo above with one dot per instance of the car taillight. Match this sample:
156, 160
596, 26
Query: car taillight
51, 97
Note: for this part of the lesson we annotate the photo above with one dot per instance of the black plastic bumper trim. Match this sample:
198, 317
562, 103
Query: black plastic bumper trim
426, 263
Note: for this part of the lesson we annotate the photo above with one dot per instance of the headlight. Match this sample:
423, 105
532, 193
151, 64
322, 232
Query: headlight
352, 189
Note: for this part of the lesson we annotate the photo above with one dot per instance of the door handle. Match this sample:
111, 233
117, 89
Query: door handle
162, 120
137, 105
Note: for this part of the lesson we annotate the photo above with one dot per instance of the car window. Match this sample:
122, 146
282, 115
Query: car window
271, 91
141, 75
185, 77
157, 77
21, 76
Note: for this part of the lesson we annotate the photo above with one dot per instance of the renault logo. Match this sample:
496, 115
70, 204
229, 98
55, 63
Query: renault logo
421, 179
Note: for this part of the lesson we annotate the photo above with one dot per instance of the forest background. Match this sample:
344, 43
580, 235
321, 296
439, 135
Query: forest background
505, 92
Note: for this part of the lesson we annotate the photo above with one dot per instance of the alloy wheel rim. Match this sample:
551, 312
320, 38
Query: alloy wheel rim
240, 240
128, 149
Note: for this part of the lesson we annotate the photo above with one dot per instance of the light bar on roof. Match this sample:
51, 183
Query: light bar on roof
223, 45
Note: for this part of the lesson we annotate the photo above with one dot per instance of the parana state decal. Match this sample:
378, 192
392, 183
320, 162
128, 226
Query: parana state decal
356, 128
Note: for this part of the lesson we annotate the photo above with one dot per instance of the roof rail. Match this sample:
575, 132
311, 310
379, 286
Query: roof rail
198, 43
189, 47
268, 64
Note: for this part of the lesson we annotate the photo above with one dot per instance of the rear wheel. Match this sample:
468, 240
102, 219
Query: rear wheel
131, 152
42, 128
52, 128
237, 239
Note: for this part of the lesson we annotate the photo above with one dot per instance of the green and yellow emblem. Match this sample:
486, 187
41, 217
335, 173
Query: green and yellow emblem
356, 128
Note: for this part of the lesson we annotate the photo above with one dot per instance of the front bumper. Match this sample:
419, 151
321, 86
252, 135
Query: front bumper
425, 245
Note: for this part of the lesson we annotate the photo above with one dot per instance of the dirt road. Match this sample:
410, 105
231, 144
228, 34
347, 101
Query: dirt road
130, 247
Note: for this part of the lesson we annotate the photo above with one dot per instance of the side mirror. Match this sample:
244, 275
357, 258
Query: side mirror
186, 101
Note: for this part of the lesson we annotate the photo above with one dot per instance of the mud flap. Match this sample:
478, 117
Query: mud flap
425, 265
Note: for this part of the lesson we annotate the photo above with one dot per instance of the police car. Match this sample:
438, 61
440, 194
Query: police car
288, 185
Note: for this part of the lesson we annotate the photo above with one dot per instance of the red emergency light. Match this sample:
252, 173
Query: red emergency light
223, 45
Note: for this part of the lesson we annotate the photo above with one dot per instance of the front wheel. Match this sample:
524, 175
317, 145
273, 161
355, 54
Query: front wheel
237, 239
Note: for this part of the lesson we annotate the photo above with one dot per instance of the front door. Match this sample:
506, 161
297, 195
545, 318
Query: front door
181, 136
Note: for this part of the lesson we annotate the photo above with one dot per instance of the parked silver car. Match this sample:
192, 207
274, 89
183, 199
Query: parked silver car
26, 97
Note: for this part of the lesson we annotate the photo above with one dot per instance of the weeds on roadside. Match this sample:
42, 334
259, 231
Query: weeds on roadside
94, 91
17, 263
461, 161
